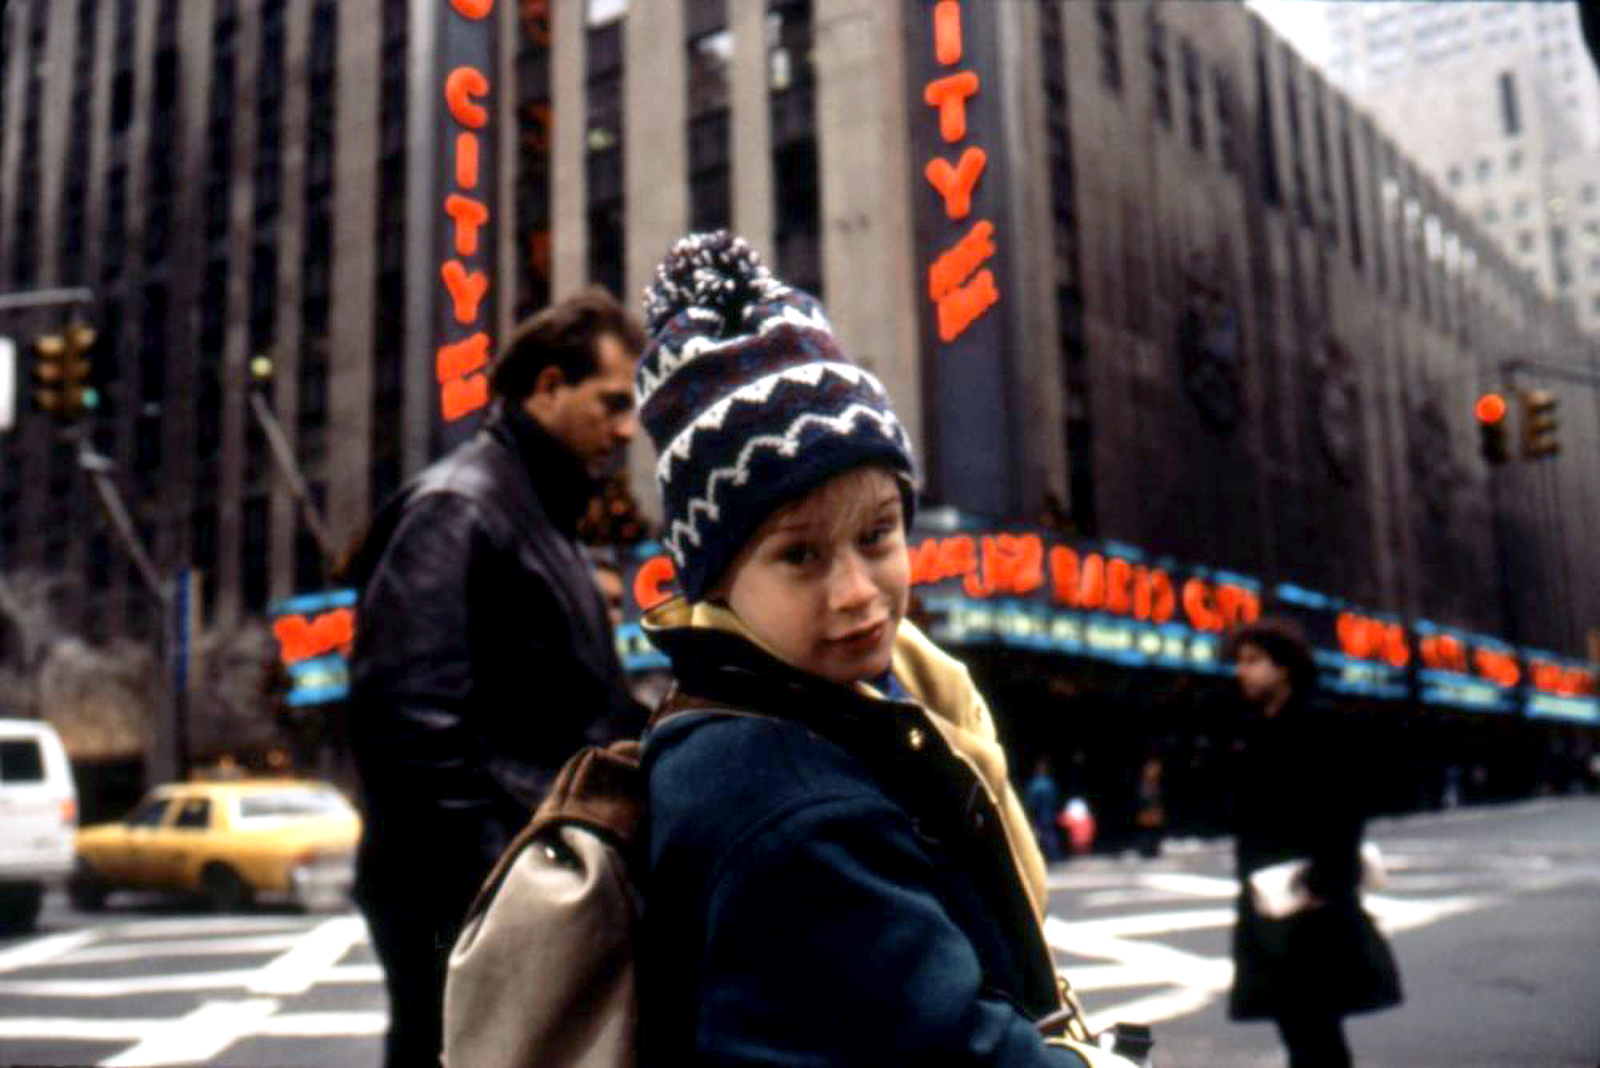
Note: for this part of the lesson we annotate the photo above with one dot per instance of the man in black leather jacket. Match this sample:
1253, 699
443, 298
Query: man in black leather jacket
484, 655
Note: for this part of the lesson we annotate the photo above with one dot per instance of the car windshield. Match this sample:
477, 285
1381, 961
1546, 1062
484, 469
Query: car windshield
291, 805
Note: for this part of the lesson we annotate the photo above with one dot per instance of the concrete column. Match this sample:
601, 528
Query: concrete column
352, 284
752, 129
863, 149
569, 238
655, 173
655, 150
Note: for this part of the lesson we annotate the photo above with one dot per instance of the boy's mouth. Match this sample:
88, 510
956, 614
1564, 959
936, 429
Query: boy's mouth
862, 637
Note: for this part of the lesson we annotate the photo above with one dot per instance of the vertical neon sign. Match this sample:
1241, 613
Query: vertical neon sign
465, 315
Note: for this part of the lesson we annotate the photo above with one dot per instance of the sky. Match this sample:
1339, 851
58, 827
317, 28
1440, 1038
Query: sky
1301, 22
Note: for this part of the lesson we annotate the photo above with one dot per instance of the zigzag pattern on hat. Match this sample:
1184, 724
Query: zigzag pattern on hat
758, 392
669, 360
784, 444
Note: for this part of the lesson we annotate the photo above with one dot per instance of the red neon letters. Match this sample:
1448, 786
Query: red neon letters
459, 364
301, 638
959, 290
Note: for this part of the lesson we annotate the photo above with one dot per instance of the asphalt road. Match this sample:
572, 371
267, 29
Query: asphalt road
1494, 914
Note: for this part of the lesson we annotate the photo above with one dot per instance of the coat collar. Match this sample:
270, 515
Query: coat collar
561, 480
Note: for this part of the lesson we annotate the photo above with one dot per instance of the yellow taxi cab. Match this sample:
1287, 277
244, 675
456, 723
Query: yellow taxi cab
235, 842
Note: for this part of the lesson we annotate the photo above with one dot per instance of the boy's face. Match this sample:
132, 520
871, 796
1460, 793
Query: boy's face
824, 581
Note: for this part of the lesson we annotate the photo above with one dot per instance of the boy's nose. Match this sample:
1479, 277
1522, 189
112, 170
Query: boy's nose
851, 585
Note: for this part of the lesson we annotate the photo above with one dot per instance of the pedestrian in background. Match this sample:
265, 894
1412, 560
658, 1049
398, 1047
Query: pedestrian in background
1149, 813
1042, 799
841, 873
484, 657
1298, 797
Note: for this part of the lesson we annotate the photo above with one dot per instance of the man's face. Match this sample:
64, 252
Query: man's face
1261, 679
824, 582
592, 419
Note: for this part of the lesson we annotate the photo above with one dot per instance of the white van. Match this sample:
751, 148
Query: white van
38, 819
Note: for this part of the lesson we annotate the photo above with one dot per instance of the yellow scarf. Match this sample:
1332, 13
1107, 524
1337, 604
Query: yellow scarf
944, 688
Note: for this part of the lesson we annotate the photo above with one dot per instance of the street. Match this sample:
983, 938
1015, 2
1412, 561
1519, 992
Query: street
1494, 915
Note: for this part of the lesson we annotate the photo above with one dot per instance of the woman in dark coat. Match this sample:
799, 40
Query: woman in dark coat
1298, 798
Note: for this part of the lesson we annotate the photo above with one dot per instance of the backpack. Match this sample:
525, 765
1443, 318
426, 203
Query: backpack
542, 974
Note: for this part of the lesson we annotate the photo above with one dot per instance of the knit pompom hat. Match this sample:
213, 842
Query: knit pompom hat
749, 401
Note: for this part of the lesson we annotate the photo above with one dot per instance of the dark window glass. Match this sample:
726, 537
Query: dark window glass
1160, 71
21, 760
1193, 96
194, 814
1110, 44
1510, 117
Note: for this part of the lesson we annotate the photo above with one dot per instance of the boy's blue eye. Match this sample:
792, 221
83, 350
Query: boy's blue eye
878, 534
796, 555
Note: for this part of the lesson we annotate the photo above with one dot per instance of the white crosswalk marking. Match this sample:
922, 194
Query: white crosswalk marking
100, 968
1126, 950
311, 957
197, 1037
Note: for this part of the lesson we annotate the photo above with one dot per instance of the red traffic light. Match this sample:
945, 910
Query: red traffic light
1491, 408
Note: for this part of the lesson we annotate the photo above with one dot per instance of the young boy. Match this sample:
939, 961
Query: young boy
840, 873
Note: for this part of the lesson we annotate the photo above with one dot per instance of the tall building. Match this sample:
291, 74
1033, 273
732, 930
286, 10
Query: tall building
1500, 103
1134, 268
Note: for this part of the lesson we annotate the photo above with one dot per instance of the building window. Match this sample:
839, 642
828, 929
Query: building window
1266, 135
389, 289
1525, 241
1110, 44
532, 197
1193, 95
1160, 73
1485, 168
1514, 160
1491, 214
1297, 156
791, 105
710, 49
253, 545
1452, 176
604, 163
1077, 438
1351, 199
1227, 147
1510, 119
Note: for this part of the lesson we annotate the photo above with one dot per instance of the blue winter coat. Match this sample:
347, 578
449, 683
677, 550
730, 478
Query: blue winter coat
830, 887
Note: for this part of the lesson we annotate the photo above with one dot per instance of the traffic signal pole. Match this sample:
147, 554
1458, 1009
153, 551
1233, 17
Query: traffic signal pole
170, 757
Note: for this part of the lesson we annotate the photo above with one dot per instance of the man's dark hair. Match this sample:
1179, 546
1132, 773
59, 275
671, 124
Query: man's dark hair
1285, 645
563, 335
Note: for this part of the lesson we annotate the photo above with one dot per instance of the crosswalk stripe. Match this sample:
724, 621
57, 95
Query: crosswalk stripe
188, 926
197, 1037
313, 954
39, 951
184, 982
189, 947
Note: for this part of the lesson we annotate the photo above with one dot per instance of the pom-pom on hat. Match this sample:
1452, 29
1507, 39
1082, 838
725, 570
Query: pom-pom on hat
749, 400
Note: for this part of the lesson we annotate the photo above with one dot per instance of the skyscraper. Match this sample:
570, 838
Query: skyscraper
1498, 102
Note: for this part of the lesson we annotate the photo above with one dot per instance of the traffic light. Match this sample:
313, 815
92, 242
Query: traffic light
1539, 424
61, 369
1491, 413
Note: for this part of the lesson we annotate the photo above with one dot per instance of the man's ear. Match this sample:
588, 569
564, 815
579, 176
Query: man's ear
548, 381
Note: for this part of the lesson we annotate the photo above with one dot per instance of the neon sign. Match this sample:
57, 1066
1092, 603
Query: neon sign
315, 633
960, 288
1560, 688
462, 355
1465, 670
